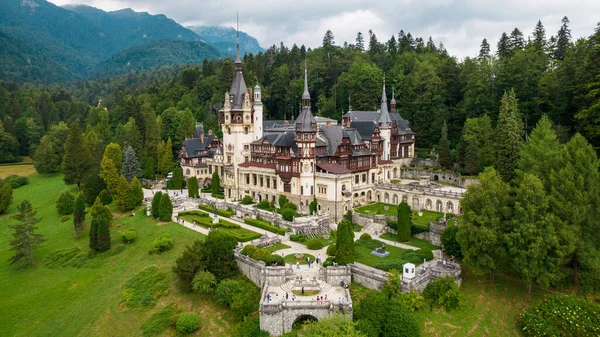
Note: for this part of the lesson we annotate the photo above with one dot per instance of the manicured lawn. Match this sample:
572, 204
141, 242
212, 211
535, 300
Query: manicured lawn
202, 219
395, 260
276, 247
419, 243
491, 308
70, 301
291, 259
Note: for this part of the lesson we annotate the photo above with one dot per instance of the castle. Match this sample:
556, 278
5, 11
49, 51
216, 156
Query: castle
339, 164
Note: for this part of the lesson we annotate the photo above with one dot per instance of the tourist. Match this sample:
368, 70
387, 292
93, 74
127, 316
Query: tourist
297, 265
317, 298
287, 296
325, 297
194, 223
302, 291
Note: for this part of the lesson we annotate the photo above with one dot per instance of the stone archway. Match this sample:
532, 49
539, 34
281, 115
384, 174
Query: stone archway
362, 197
369, 196
395, 199
378, 196
302, 319
436, 178
450, 207
386, 198
439, 206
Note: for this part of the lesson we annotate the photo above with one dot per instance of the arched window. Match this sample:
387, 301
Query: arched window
228, 131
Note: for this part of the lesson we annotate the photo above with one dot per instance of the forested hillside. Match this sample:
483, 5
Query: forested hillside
225, 39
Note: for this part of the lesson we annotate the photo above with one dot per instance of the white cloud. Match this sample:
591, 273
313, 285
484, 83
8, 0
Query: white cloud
459, 24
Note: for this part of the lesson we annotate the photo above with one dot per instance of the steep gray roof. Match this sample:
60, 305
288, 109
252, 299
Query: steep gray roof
193, 146
306, 119
238, 90
365, 129
372, 116
333, 135
384, 115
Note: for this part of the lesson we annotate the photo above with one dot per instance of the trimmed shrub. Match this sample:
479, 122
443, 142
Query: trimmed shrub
260, 254
443, 292
248, 250
561, 315
165, 208
187, 323
416, 229
328, 262
392, 224
366, 236
128, 235
218, 195
287, 214
290, 205
264, 204
65, 218
221, 212
156, 204
314, 244
298, 237
16, 181
65, 203
282, 200
331, 250
6, 193
275, 260
163, 243
246, 200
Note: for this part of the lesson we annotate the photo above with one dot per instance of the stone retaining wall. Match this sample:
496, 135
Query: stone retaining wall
370, 278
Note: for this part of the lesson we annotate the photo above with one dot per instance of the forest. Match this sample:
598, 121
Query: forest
555, 75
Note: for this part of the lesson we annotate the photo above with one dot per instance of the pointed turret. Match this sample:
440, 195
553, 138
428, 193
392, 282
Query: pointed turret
238, 60
306, 122
384, 116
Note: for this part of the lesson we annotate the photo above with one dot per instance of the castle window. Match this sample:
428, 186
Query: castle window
287, 188
228, 131
245, 130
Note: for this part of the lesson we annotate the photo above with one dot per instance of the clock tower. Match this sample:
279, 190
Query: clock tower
306, 138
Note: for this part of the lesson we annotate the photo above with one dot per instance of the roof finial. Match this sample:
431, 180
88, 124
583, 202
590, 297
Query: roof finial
306, 94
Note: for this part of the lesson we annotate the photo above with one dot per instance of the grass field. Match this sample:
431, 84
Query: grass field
69, 301
419, 243
19, 169
276, 247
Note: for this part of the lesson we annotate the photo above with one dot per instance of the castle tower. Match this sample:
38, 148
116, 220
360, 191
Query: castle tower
393, 102
237, 124
385, 123
306, 138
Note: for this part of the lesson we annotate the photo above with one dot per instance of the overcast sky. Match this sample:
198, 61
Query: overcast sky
460, 25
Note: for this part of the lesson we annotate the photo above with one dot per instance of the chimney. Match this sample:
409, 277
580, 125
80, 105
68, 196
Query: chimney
210, 132
328, 123
202, 137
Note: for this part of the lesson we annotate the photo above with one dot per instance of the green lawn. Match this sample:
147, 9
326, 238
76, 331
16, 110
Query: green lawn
291, 259
69, 301
276, 247
202, 219
419, 243
491, 309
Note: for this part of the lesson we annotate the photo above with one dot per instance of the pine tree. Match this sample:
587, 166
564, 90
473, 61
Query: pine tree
25, 240
484, 50
503, 49
177, 179
360, 42
539, 37
472, 157
136, 191
109, 173
165, 157
444, 148
328, 39
134, 138
404, 222
79, 215
165, 209
562, 40
149, 169
541, 153
192, 185
65, 203
345, 243
215, 183
516, 40
156, 204
99, 231
131, 165
509, 135
77, 159
113, 152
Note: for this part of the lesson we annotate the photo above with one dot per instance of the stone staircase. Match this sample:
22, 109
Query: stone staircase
294, 284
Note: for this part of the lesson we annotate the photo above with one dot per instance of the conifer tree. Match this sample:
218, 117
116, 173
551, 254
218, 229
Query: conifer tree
404, 222
313, 206
65, 203
165, 157
216, 183
444, 148
503, 48
484, 50
149, 169
99, 231
25, 240
113, 152
156, 204
192, 186
472, 158
77, 159
131, 165
541, 153
165, 209
360, 42
109, 173
345, 243
539, 37
509, 135
123, 197
562, 40
177, 178
79, 215
136, 191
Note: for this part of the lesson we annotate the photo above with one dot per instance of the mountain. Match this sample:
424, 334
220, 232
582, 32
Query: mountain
20, 62
153, 54
126, 28
224, 39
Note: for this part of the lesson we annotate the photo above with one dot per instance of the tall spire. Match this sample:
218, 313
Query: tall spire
384, 115
238, 60
393, 102
306, 94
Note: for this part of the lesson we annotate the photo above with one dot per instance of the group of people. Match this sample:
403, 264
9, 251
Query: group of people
283, 298
309, 262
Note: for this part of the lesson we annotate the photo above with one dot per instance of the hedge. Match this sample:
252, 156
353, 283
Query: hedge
266, 226
221, 212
